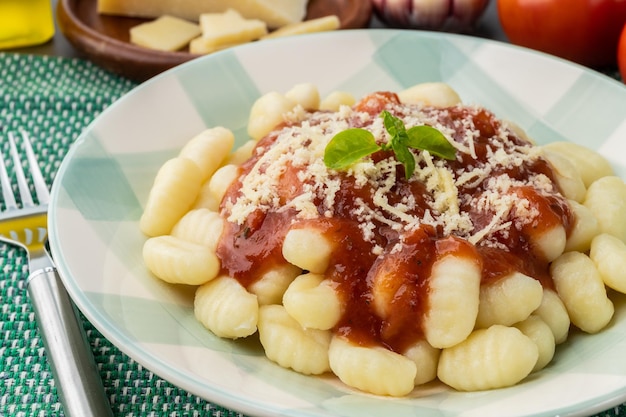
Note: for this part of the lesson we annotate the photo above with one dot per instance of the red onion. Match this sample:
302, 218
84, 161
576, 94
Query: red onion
430, 14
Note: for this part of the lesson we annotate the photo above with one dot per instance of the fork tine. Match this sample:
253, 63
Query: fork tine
41, 188
26, 221
7, 190
22, 185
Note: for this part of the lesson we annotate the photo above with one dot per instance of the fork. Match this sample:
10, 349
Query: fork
25, 226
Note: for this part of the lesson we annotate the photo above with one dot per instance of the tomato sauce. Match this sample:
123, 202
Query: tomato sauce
249, 249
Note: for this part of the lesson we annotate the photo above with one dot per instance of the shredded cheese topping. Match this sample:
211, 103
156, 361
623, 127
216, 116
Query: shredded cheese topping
483, 182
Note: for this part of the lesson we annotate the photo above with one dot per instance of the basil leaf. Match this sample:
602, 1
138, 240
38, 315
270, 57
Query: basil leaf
429, 139
348, 146
405, 157
394, 125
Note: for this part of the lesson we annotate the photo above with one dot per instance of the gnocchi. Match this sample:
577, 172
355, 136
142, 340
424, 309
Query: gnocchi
267, 112
271, 286
226, 308
541, 334
509, 300
221, 180
608, 253
208, 149
307, 249
553, 312
582, 290
496, 357
384, 279
606, 199
291, 345
454, 301
313, 302
591, 165
174, 190
372, 369
584, 229
178, 261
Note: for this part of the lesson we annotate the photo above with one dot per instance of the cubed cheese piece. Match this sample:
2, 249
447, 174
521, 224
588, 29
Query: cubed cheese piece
166, 33
230, 28
275, 13
202, 46
321, 24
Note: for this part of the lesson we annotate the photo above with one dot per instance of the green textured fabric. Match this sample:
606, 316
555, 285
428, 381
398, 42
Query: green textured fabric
55, 99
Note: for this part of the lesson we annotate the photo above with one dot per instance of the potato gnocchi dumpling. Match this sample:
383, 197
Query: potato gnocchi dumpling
426, 359
373, 369
208, 149
272, 284
608, 253
202, 226
496, 357
336, 99
582, 290
466, 262
430, 94
606, 198
553, 312
313, 301
589, 163
509, 300
290, 345
454, 301
175, 188
268, 112
305, 95
221, 180
540, 333
178, 261
567, 175
307, 249
226, 308
584, 228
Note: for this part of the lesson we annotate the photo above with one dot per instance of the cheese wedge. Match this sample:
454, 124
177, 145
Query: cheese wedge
275, 13
321, 24
166, 33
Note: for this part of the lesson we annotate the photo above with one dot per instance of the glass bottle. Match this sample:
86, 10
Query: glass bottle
25, 23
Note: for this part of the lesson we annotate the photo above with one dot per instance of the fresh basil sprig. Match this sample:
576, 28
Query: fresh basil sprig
348, 146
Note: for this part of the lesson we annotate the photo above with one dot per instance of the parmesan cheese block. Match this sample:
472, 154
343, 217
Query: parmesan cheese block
275, 13
166, 33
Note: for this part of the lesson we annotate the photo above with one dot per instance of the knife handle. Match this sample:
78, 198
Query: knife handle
74, 369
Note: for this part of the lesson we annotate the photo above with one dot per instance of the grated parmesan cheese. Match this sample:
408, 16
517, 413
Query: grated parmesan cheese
481, 179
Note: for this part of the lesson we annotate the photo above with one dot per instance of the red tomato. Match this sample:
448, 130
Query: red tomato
621, 54
583, 31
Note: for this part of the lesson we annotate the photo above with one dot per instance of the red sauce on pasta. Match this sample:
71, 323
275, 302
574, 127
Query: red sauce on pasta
250, 248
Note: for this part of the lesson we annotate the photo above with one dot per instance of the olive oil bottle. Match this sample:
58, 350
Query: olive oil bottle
25, 23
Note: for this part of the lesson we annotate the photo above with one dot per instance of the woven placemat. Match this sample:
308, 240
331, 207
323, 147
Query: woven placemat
55, 99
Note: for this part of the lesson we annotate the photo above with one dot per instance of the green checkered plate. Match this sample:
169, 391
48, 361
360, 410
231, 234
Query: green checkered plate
103, 183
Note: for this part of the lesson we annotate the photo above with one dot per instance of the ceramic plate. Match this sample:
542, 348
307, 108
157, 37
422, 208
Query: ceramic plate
102, 185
